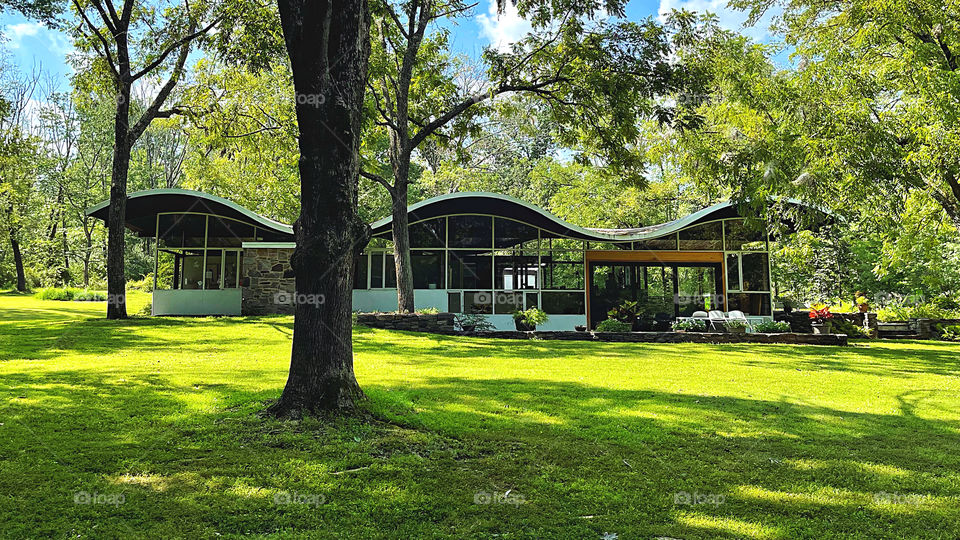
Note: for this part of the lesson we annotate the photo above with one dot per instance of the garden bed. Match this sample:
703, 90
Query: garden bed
670, 337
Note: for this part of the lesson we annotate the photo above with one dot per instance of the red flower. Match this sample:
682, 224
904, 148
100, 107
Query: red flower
821, 314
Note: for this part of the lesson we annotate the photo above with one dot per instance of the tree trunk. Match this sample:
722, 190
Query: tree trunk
116, 241
328, 45
401, 243
18, 261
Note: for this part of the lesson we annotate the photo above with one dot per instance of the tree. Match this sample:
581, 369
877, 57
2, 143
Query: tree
328, 46
20, 151
160, 40
882, 107
598, 80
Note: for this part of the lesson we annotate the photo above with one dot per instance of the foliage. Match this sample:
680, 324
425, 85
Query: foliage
70, 293
772, 327
950, 332
626, 312
841, 325
532, 316
820, 313
613, 325
478, 322
690, 325
904, 310
735, 324
428, 311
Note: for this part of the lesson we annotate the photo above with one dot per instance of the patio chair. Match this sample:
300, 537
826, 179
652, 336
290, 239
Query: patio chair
716, 320
737, 314
700, 315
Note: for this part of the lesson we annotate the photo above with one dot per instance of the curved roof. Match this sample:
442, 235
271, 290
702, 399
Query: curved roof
143, 207
510, 207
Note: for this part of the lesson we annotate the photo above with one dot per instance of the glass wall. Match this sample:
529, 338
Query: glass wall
498, 265
199, 251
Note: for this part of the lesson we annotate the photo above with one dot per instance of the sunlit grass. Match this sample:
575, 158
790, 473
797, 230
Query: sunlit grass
467, 437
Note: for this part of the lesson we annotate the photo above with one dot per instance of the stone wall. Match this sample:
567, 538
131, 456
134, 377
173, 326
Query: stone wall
267, 281
440, 323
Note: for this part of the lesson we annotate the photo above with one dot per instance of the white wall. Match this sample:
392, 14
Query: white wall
386, 300
196, 302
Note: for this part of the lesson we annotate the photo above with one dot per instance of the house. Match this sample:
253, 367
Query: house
470, 252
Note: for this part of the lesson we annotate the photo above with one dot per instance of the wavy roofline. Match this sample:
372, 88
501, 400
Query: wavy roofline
265, 221
657, 231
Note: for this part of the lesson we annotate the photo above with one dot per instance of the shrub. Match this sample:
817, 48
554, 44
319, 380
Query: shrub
428, 311
690, 325
533, 316
843, 326
613, 325
950, 333
476, 321
90, 296
66, 294
735, 324
772, 327
54, 293
626, 312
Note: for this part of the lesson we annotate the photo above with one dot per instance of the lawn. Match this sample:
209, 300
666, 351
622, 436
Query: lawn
150, 428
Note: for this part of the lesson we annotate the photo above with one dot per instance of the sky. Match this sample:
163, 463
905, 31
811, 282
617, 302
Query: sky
31, 45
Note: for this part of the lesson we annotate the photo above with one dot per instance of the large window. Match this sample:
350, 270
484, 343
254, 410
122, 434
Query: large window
427, 269
514, 234
741, 236
428, 234
705, 237
516, 270
470, 269
470, 231
562, 270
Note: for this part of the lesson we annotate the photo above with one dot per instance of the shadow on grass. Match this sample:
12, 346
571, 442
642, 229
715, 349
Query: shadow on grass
197, 461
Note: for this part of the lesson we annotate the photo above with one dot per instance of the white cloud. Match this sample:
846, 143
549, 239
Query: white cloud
729, 18
16, 32
503, 29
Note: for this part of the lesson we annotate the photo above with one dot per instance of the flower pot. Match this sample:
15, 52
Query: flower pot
864, 308
469, 327
523, 327
821, 327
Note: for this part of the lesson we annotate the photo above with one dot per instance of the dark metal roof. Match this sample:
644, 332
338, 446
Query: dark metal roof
143, 207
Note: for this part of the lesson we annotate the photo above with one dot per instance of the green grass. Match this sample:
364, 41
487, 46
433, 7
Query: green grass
160, 417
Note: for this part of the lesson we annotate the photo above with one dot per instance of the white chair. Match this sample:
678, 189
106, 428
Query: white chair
700, 315
716, 317
739, 315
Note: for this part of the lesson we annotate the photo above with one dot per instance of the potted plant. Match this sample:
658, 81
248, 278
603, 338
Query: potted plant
473, 322
690, 325
820, 319
862, 303
788, 304
629, 312
528, 319
735, 326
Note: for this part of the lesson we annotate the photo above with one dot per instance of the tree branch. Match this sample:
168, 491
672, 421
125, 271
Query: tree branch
378, 179
180, 42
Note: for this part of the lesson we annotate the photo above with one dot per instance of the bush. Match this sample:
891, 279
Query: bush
54, 293
772, 327
533, 316
735, 324
690, 325
843, 326
428, 311
67, 294
936, 309
613, 325
950, 333
90, 296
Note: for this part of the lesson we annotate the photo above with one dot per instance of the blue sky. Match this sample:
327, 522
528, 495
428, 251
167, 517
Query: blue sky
30, 44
